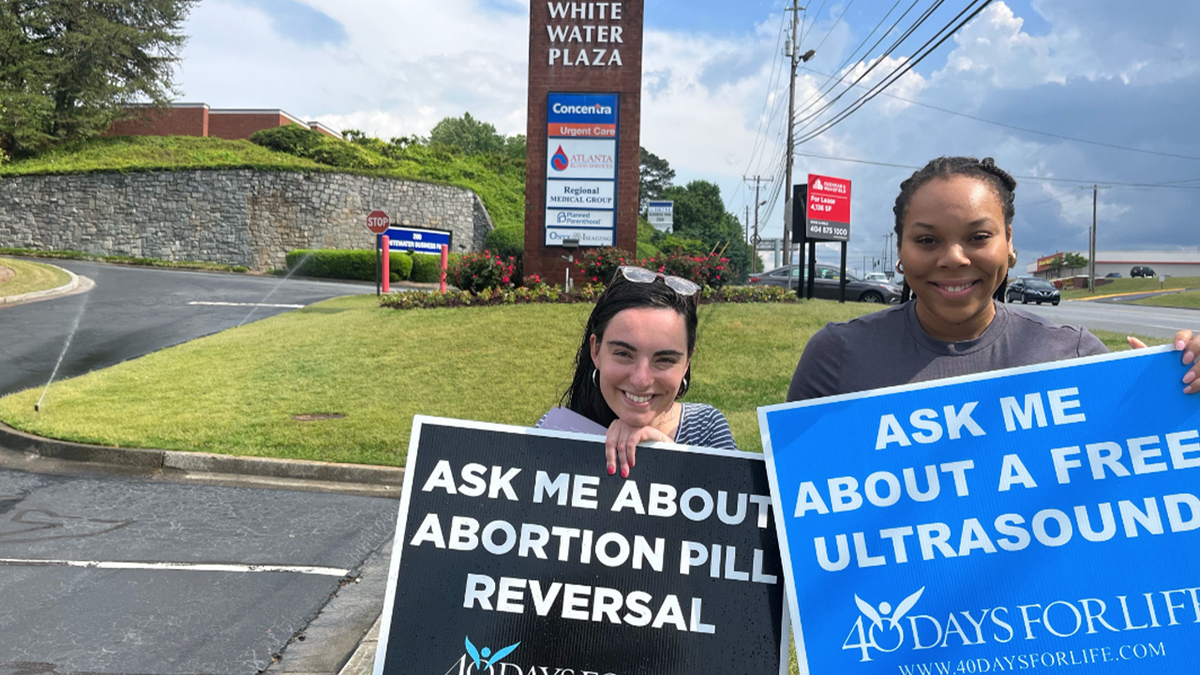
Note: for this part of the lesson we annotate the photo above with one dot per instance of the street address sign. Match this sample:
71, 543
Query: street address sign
377, 222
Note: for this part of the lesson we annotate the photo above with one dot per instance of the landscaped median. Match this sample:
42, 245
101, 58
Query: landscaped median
19, 278
239, 392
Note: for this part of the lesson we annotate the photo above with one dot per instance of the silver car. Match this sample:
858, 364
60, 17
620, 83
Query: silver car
827, 284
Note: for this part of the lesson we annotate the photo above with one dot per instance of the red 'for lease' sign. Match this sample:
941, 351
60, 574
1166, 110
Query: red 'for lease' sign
377, 222
828, 208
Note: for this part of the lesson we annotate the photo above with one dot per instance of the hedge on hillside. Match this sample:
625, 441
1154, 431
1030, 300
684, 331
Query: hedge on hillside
338, 264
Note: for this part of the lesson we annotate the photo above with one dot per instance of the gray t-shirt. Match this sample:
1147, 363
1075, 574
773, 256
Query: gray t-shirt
890, 348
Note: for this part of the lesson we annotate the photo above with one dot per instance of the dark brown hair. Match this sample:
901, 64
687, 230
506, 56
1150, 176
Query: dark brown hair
583, 396
1001, 182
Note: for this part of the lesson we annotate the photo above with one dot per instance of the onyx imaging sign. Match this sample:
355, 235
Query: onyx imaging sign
1035, 518
516, 554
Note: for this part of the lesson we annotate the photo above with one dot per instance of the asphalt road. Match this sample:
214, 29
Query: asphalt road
1120, 317
134, 311
121, 575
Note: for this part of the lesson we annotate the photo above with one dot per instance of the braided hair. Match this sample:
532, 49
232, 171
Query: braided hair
1001, 182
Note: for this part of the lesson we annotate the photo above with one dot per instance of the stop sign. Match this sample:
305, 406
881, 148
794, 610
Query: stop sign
377, 222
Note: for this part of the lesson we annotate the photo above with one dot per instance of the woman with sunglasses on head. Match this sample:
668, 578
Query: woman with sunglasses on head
635, 364
954, 245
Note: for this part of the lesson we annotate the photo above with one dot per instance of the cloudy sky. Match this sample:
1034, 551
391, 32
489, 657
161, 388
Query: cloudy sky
1086, 74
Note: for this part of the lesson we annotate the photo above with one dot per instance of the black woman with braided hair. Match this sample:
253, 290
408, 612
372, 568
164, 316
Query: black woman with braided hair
954, 247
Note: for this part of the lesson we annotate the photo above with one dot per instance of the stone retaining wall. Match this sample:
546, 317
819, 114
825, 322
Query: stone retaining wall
242, 217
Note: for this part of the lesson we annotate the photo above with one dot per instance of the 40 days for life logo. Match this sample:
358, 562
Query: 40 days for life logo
483, 661
885, 633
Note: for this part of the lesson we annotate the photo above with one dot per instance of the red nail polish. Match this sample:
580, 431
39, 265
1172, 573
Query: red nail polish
611, 469
624, 473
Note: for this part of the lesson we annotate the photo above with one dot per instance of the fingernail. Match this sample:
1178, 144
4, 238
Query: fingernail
1179, 345
611, 469
1187, 379
624, 473
1188, 358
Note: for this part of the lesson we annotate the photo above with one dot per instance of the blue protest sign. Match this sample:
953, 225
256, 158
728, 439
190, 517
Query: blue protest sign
1034, 518
417, 239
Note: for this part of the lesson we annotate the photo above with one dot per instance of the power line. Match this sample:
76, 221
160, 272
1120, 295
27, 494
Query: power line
900, 71
826, 88
879, 60
1019, 128
1043, 179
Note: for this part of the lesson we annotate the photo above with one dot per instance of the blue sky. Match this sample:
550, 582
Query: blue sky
713, 99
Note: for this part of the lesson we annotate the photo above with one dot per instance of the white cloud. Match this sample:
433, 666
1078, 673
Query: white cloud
405, 65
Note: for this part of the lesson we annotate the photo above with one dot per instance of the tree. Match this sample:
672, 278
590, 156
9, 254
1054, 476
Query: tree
1075, 260
654, 176
471, 135
700, 213
68, 68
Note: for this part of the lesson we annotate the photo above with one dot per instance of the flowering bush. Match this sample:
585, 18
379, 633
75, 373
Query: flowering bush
706, 270
555, 294
599, 264
477, 272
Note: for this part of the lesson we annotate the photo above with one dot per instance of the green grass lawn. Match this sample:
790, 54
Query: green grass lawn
236, 392
30, 277
1188, 299
1132, 286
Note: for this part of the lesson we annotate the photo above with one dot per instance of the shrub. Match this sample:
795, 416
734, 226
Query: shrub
542, 293
340, 264
599, 264
401, 265
477, 272
296, 140
426, 268
290, 138
507, 241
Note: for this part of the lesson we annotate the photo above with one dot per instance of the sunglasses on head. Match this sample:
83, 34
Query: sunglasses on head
641, 275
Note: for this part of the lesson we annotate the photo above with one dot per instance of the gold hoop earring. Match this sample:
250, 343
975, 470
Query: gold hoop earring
1012, 258
899, 267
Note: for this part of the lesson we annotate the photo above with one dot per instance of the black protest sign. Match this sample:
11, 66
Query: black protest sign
516, 554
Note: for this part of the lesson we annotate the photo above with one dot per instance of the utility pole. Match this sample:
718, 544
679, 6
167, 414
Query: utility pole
747, 222
792, 51
1092, 240
758, 181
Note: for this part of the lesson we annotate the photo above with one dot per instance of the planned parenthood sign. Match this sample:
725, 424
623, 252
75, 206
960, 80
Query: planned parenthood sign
1037, 518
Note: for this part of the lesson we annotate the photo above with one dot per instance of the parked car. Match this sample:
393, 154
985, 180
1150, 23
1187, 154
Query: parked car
1032, 289
1142, 271
876, 276
1113, 275
827, 284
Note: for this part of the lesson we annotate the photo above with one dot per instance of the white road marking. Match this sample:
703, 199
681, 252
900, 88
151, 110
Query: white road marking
244, 304
186, 567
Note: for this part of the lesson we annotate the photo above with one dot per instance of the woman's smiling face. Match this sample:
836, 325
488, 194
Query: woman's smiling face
955, 249
642, 360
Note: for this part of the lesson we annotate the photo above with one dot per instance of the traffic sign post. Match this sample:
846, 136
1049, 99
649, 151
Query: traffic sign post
386, 273
377, 223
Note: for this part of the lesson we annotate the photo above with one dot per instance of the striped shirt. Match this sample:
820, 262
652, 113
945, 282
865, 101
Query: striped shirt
705, 426
700, 424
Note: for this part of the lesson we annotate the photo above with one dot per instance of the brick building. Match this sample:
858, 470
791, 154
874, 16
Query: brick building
197, 119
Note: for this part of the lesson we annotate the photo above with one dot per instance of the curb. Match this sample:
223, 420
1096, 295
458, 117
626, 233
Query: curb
140, 458
44, 295
1122, 295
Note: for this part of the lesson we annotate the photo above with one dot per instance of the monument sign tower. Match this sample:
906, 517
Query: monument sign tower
583, 135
